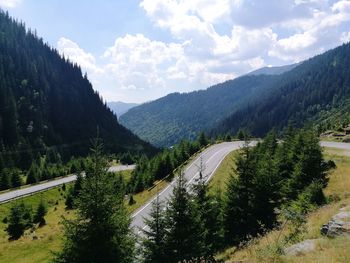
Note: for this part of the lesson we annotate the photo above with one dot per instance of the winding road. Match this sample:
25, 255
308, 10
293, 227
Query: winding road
15, 194
209, 158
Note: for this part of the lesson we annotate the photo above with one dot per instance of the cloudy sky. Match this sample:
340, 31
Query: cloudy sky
139, 50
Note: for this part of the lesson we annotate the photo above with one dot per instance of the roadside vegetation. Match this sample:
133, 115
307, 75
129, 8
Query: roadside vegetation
270, 245
268, 183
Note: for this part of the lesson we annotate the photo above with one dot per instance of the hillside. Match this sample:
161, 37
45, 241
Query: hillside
272, 70
166, 121
47, 105
119, 107
303, 95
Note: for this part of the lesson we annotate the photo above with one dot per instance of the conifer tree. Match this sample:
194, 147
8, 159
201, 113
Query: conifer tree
155, 234
20, 218
209, 211
4, 180
16, 180
183, 240
40, 213
101, 231
33, 174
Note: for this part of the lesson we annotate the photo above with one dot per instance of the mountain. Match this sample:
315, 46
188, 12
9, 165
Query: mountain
47, 105
166, 121
119, 108
313, 93
272, 70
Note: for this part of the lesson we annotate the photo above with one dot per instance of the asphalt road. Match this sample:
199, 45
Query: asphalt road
210, 159
338, 145
15, 194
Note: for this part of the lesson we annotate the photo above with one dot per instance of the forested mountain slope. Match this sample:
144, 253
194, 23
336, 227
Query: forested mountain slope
46, 104
306, 94
166, 121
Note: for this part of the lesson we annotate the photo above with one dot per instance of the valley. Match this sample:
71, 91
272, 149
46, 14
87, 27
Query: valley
236, 150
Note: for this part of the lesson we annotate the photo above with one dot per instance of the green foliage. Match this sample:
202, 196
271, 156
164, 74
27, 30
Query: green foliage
168, 120
34, 174
162, 165
5, 182
154, 242
316, 91
101, 231
19, 219
40, 213
270, 176
47, 106
183, 239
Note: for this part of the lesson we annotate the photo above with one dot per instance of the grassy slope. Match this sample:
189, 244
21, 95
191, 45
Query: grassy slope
28, 250
49, 237
328, 250
223, 173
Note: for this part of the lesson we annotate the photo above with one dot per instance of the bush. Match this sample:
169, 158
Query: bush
19, 219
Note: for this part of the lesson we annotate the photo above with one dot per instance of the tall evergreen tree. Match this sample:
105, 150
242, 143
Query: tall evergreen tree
155, 235
101, 231
16, 180
20, 218
210, 223
184, 238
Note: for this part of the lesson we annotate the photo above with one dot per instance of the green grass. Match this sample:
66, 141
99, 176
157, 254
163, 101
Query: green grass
327, 250
37, 246
223, 173
26, 249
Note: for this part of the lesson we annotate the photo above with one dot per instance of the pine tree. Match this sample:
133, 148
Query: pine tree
19, 220
4, 180
209, 212
40, 213
101, 231
155, 235
33, 175
202, 139
183, 240
16, 180
238, 202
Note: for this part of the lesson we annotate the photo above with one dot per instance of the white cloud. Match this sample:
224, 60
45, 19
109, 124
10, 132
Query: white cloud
71, 50
10, 3
139, 62
198, 54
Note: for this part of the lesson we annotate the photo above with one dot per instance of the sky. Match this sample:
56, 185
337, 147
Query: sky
140, 50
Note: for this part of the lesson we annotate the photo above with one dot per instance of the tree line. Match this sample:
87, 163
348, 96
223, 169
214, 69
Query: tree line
196, 223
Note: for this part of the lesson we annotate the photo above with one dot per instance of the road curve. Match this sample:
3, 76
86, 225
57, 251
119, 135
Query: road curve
15, 194
210, 158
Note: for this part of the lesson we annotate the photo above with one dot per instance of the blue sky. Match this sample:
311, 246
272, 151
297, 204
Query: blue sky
140, 50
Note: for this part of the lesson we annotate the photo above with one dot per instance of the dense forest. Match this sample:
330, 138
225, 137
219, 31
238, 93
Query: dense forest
315, 92
47, 106
168, 120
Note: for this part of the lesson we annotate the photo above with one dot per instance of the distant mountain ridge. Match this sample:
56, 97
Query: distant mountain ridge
315, 93
119, 107
168, 120
267, 98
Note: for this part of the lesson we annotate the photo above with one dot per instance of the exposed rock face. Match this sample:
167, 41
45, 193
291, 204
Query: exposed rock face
303, 247
338, 225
